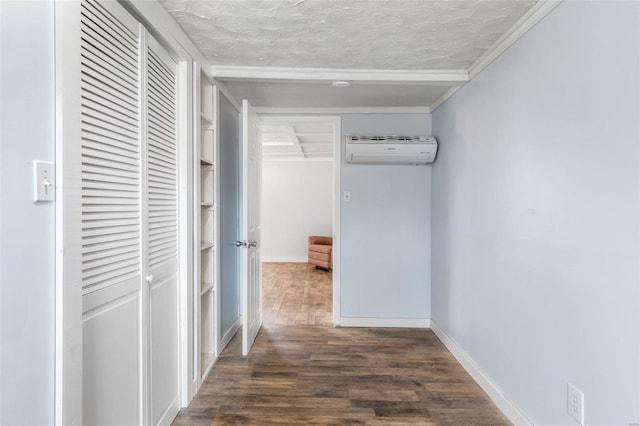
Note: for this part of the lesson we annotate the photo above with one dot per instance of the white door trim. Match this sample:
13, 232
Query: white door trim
68, 303
186, 209
336, 121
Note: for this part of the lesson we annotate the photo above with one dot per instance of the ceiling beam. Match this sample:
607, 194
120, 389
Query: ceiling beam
328, 133
272, 129
287, 143
296, 141
280, 155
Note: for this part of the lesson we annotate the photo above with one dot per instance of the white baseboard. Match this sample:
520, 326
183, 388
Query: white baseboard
170, 413
385, 322
228, 335
193, 389
502, 400
285, 259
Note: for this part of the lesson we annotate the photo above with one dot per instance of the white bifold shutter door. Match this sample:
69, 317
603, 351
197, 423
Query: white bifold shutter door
162, 231
129, 221
111, 215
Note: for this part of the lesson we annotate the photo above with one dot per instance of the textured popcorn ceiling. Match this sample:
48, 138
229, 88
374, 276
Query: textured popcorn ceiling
364, 34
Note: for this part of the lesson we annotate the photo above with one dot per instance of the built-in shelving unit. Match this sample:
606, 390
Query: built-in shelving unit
207, 223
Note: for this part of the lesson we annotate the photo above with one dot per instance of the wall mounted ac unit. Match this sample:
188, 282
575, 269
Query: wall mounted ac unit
391, 149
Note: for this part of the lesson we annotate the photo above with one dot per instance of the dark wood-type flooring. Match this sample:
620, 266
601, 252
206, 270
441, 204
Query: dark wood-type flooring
310, 374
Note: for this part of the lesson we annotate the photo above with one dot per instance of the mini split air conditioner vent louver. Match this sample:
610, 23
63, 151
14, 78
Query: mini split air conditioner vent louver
391, 149
387, 139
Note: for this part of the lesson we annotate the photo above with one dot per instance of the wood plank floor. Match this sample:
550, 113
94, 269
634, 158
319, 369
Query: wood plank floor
318, 374
296, 294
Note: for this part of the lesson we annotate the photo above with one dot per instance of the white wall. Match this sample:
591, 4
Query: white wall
27, 279
385, 229
535, 216
297, 201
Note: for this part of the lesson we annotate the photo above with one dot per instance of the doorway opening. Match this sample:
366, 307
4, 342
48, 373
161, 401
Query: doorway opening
230, 196
299, 200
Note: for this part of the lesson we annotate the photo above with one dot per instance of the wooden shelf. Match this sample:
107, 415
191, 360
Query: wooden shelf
207, 266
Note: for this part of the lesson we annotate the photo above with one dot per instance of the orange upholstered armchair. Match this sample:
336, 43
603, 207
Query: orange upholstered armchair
320, 249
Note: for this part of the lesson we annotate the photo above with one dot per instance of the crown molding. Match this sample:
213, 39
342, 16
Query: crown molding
237, 104
520, 28
454, 78
157, 19
290, 74
446, 95
338, 110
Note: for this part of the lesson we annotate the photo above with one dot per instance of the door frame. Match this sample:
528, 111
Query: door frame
68, 303
336, 122
68, 294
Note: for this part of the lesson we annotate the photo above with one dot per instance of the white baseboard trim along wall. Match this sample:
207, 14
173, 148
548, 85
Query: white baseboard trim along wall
502, 400
385, 322
229, 333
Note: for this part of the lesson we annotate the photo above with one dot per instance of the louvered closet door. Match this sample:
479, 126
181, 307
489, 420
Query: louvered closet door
162, 231
111, 215
129, 221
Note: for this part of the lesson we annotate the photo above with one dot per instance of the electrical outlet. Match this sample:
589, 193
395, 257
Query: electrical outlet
575, 403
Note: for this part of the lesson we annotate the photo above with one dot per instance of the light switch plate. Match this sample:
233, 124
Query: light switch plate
44, 181
347, 196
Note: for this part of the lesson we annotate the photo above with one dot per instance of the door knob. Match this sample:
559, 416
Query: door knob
241, 243
149, 278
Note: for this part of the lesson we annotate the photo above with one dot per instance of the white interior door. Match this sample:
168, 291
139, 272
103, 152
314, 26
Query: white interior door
161, 169
110, 224
128, 221
251, 200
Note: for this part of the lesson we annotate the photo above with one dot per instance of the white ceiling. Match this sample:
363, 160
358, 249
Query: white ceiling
277, 52
297, 141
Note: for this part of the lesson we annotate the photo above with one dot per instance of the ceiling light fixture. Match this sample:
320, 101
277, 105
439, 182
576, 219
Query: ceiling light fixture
341, 83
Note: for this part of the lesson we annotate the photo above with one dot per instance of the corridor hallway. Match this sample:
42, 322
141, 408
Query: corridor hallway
303, 371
